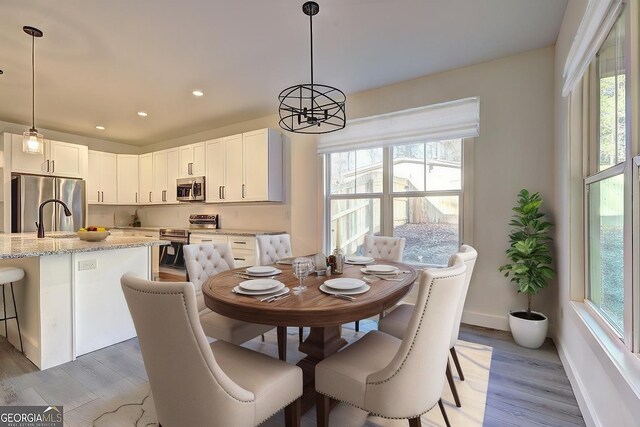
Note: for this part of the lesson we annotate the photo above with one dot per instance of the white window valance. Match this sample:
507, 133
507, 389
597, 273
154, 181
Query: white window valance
449, 120
598, 19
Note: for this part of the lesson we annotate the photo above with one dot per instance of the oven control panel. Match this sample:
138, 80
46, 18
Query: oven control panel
204, 220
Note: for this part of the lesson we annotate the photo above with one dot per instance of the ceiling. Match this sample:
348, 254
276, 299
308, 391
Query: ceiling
100, 62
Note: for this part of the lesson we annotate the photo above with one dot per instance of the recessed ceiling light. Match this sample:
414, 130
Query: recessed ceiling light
198, 93
142, 114
100, 127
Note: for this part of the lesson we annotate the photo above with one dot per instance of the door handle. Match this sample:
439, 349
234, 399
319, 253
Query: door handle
53, 167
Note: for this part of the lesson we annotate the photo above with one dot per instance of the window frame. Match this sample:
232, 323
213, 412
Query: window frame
631, 222
387, 195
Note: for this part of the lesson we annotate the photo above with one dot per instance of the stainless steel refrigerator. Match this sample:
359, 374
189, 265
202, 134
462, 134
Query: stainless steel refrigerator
28, 191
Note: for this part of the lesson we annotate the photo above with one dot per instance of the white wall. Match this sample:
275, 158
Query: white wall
605, 378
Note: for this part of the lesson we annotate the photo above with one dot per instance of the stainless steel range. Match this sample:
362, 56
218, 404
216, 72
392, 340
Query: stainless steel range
172, 256
203, 221
172, 266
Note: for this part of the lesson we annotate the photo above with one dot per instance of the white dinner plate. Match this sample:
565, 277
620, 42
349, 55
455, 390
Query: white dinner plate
239, 290
359, 260
261, 269
270, 273
259, 284
344, 283
356, 291
380, 269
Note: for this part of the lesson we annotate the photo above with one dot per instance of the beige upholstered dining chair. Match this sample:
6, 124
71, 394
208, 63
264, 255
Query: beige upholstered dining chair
204, 261
197, 384
397, 321
272, 248
397, 378
383, 247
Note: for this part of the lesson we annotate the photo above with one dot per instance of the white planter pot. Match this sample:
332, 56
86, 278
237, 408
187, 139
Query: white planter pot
528, 333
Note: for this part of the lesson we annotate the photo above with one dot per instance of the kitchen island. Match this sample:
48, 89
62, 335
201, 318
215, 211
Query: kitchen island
70, 301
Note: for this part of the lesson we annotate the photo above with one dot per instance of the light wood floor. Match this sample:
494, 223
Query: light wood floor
526, 387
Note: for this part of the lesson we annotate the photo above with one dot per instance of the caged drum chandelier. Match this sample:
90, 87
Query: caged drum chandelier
312, 108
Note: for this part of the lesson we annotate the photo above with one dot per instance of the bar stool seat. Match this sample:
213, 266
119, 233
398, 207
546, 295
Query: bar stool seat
8, 275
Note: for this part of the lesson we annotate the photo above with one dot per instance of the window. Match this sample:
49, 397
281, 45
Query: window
412, 191
609, 171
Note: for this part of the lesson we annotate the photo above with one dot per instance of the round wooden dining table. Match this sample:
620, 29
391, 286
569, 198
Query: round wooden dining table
323, 313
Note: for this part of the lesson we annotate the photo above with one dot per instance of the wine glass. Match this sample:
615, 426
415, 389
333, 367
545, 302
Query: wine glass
301, 267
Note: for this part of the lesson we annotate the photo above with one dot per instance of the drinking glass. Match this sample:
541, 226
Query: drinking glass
301, 267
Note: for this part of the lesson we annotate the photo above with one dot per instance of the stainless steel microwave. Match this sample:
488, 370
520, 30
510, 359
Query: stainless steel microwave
190, 189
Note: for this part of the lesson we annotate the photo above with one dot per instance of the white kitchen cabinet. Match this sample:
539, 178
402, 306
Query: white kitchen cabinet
246, 167
165, 173
102, 179
57, 159
128, 177
197, 238
145, 181
192, 160
215, 172
263, 166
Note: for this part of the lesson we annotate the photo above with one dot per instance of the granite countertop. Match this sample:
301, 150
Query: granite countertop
122, 227
234, 232
24, 245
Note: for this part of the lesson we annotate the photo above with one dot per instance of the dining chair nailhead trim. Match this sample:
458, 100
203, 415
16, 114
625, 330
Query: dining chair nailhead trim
375, 413
185, 307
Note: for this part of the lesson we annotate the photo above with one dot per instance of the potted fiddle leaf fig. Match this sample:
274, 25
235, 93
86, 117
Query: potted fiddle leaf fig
529, 267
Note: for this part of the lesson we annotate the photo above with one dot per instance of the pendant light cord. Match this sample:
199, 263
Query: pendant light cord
311, 38
33, 83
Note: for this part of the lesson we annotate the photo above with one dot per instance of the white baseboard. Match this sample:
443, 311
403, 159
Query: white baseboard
584, 402
486, 320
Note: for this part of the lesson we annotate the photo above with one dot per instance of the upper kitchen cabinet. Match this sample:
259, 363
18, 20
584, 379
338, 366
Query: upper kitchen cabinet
57, 159
165, 174
102, 179
192, 160
263, 166
128, 179
245, 167
145, 179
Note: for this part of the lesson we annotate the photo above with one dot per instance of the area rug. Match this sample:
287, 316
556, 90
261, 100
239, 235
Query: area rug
132, 405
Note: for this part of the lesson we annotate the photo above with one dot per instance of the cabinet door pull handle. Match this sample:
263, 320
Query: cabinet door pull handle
207, 240
190, 168
53, 166
240, 259
98, 195
149, 195
224, 191
219, 191
243, 191
240, 243
136, 197
48, 163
